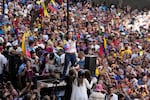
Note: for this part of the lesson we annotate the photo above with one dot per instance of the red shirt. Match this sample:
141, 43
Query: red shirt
116, 43
15, 22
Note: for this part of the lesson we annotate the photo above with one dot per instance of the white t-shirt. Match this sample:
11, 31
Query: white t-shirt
96, 47
62, 58
18, 50
3, 61
71, 46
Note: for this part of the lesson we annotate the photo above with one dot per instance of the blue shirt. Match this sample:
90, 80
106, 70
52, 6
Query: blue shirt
21, 68
1, 32
81, 63
102, 8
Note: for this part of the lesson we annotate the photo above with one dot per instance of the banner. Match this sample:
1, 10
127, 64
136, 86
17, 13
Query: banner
45, 9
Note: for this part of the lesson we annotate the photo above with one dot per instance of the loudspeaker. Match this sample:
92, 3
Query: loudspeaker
90, 63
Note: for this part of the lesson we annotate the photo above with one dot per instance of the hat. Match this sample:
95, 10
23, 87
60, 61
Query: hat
112, 6
103, 29
21, 31
83, 18
88, 36
100, 67
36, 29
94, 18
8, 44
113, 49
45, 37
1, 40
99, 87
41, 46
140, 47
123, 33
90, 40
15, 43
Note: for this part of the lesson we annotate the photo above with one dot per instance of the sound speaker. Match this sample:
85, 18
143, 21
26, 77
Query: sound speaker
90, 63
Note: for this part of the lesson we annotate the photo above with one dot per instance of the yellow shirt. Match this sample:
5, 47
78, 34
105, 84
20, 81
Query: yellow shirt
98, 72
27, 34
7, 28
123, 51
141, 53
64, 42
39, 26
113, 55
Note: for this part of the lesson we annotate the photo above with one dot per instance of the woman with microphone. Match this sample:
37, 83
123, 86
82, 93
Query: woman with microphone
70, 52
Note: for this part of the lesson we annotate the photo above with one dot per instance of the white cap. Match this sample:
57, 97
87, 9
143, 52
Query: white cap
15, 43
41, 45
1, 40
45, 37
83, 18
8, 44
136, 99
100, 67
6, 11
94, 18
90, 39
21, 31
36, 29
140, 47
88, 36
6, 17
123, 33
103, 29
112, 6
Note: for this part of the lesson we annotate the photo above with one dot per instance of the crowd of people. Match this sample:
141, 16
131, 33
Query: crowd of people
38, 39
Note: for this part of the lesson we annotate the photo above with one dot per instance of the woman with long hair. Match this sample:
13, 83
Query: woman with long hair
70, 52
69, 80
80, 85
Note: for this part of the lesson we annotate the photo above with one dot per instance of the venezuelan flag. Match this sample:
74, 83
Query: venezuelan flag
51, 8
45, 9
105, 43
101, 51
53, 2
66, 47
23, 44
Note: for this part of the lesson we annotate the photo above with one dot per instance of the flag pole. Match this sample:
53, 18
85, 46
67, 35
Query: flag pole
67, 16
3, 7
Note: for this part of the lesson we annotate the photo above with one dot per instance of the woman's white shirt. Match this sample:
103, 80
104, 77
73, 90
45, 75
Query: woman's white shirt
71, 46
80, 92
